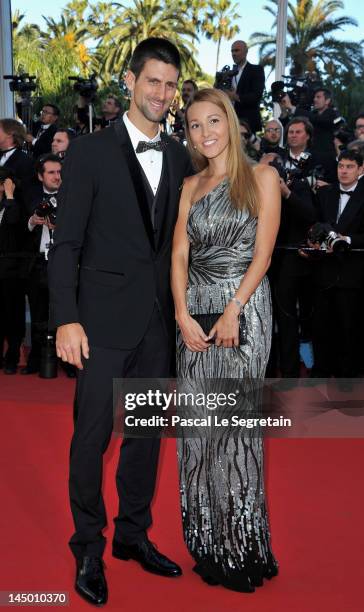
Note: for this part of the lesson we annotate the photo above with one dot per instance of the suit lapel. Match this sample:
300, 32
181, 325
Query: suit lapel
355, 203
171, 210
136, 176
333, 197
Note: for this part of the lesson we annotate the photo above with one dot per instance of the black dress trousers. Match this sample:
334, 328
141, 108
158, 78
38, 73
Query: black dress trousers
138, 462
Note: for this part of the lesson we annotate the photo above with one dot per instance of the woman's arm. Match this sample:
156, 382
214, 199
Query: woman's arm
226, 328
192, 333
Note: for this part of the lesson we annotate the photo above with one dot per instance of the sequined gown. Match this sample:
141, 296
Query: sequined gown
221, 475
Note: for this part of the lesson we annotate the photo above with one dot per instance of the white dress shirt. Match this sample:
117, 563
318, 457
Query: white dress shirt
344, 199
151, 161
5, 157
45, 240
236, 78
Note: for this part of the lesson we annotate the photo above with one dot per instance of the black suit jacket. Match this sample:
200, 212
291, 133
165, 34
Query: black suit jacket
343, 270
11, 227
250, 90
44, 142
104, 224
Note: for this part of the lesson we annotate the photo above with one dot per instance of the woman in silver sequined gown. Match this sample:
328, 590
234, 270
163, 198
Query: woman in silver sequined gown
221, 471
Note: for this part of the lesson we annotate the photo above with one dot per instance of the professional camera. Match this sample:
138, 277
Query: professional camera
23, 84
291, 174
301, 90
224, 78
87, 88
48, 208
325, 235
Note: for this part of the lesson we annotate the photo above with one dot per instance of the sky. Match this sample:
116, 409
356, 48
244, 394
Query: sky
252, 20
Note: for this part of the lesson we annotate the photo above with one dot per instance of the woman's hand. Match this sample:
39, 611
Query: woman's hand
226, 328
193, 336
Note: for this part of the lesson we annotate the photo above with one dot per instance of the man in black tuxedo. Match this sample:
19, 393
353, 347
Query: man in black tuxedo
20, 166
39, 237
12, 138
117, 210
248, 87
339, 275
44, 130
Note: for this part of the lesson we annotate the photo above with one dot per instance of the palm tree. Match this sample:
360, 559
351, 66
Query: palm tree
218, 23
311, 41
133, 24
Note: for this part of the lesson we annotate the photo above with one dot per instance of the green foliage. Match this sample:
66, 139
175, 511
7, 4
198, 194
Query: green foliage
101, 36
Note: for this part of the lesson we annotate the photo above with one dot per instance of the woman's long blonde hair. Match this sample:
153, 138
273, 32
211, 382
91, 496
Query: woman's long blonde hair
243, 186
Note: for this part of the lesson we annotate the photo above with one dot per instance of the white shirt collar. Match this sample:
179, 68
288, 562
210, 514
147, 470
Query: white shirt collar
135, 134
6, 156
352, 188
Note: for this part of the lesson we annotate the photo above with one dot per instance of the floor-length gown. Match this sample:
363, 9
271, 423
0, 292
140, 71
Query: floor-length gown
221, 475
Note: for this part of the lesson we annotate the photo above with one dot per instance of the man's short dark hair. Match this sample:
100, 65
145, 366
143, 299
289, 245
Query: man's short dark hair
43, 159
55, 109
116, 101
193, 83
352, 156
69, 131
308, 125
154, 48
327, 93
356, 145
360, 116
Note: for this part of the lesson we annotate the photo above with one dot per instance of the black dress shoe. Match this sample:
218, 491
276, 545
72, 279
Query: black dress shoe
29, 370
10, 369
148, 556
90, 580
69, 369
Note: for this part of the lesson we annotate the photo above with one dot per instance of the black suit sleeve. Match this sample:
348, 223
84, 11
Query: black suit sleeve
256, 88
300, 203
12, 214
74, 207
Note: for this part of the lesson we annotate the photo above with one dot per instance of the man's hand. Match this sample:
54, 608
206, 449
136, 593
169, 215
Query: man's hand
9, 188
49, 224
29, 138
70, 341
35, 220
286, 104
285, 191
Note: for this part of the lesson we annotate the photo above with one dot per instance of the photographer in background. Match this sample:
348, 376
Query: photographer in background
247, 87
188, 90
61, 141
339, 272
270, 143
44, 130
325, 120
359, 127
290, 273
12, 138
12, 319
40, 235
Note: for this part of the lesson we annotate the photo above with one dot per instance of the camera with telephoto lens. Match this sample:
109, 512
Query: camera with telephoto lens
48, 208
325, 235
301, 89
291, 174
87, 88
224, 78
23, 84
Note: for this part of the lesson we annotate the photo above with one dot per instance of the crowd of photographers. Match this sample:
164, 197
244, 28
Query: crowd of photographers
317, 272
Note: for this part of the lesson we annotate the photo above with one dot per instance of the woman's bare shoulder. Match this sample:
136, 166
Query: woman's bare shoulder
265, 174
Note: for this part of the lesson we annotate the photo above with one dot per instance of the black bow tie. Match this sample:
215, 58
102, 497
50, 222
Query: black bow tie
157, 145
342, 192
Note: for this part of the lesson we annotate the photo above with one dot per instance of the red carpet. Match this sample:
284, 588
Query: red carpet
316, 504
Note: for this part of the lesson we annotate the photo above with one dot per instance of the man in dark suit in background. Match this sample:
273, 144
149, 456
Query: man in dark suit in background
117, 210
339, 275
248, 87
44, 130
